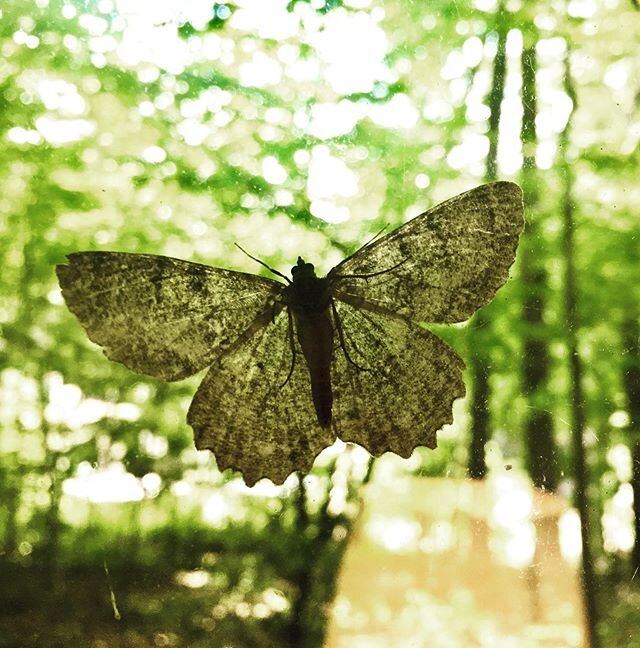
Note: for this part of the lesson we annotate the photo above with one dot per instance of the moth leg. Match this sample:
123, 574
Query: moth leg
340, 330
274, 310
292, 345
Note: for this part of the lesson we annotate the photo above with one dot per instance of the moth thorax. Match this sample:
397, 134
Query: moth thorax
308, 293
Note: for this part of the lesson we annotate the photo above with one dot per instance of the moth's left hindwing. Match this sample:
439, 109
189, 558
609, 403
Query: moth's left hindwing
253, 415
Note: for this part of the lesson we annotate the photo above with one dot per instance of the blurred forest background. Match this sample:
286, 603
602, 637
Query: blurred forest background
303, 127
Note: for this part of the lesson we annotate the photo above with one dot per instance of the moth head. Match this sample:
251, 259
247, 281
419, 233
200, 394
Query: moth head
303, 270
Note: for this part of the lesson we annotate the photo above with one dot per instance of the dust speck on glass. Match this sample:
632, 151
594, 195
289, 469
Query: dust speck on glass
294, 365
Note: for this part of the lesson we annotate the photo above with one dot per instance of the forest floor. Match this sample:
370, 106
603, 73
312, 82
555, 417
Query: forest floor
128, 609
134, 608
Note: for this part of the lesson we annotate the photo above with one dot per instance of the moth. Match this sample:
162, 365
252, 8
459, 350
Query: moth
294, 364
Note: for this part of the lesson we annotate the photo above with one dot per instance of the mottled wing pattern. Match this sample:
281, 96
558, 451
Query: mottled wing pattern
453, 258
249, 418
161, 316
403, 394
170, 318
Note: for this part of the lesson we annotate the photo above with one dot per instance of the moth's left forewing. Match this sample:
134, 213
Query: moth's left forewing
444, 264
162, 316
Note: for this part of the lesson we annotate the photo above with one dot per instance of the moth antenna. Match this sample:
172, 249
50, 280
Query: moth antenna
372, 274
268, 267
375, 237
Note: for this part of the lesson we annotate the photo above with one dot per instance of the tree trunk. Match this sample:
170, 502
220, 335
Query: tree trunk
479, 360
539, 423
631, 382
581, 476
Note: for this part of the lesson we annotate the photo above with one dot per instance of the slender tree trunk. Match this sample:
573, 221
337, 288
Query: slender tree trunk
575, 372
479, 368
316, 579
631, 382
10, 490
539, 422
52, 523
635, 482
299, 630
479, 360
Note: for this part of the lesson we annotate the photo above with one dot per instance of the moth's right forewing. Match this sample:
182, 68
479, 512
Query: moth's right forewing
441, 266
162, 316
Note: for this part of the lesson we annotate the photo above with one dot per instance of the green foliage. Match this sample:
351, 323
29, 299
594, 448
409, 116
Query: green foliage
321, 6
